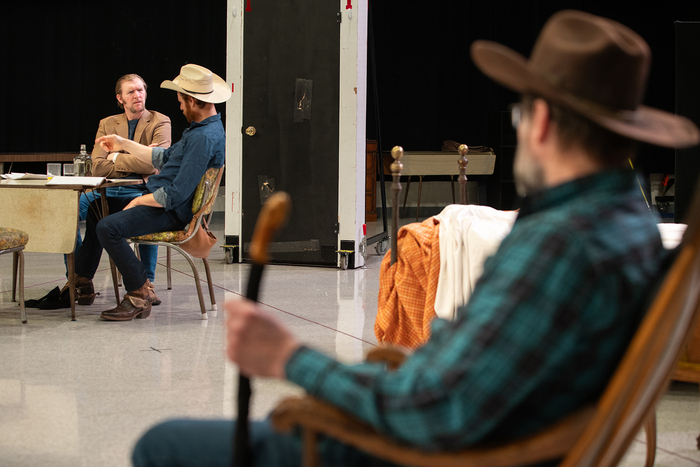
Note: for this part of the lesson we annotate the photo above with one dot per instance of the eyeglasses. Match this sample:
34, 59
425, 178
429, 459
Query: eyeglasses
515, 110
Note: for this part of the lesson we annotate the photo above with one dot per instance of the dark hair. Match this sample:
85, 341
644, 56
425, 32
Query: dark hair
197, 102
606, 147
124, 79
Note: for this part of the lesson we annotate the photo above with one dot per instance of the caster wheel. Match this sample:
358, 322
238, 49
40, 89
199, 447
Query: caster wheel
343, 262
382, 246
228, 256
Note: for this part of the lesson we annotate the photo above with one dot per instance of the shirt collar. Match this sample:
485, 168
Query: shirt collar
611, 182
206, 121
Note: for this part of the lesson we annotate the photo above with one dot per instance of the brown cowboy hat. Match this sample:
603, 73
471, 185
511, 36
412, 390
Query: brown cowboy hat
596, 67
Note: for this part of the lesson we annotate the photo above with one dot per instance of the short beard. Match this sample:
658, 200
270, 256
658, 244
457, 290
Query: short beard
528, 173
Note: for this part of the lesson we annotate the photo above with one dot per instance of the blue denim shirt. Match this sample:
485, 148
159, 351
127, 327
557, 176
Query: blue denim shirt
183, 164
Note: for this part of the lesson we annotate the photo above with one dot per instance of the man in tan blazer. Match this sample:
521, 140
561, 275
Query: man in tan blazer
149, 128
137, 124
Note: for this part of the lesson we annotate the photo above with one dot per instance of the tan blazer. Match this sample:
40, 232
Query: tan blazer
153, 128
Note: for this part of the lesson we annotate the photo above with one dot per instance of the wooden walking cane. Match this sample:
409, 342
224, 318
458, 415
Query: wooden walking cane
272, 216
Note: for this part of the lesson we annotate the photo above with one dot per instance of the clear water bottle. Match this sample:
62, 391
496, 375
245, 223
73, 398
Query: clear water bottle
88, 163
82, 164
79, 162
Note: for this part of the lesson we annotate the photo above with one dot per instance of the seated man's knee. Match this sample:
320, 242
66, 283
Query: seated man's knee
154, 446
106, 231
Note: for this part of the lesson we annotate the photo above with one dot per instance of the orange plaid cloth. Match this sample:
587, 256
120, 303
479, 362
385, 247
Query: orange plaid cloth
407, 288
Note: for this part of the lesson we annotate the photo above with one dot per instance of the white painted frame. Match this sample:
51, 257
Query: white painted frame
352, 138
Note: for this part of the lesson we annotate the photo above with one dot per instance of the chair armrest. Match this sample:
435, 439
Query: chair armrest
319, 417
393, 356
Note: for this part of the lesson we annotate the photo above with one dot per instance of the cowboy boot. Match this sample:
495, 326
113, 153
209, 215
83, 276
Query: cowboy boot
152, 297
134, 305
84, 290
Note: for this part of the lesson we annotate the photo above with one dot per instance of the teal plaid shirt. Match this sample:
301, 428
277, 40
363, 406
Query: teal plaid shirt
545, 327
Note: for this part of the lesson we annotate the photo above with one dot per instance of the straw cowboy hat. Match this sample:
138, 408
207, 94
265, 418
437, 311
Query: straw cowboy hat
596, 67
200, 83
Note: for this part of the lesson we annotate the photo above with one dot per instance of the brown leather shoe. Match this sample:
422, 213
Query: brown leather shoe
152, 297
84, 291
131, 307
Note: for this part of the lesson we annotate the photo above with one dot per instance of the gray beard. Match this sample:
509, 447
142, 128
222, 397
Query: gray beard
528, 174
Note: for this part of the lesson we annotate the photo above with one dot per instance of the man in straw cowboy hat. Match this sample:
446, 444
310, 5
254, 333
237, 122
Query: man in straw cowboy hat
166, 201
557, 303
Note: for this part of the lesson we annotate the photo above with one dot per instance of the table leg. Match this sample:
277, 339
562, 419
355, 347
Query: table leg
405, 196
71, 282
420, 189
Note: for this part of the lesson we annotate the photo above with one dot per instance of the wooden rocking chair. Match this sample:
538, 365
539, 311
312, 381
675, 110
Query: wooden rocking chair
598, 435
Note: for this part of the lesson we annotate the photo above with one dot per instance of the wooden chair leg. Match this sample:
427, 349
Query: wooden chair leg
311, 458
650, 430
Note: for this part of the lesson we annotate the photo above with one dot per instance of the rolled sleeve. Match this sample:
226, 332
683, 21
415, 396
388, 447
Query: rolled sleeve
158, 157
162, 197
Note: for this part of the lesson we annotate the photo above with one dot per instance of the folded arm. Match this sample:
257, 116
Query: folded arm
103, 160
139, 155
133, 163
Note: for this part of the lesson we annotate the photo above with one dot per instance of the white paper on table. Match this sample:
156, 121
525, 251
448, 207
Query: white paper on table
25, 176
72, 180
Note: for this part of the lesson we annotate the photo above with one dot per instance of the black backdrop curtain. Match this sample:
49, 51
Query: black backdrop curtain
60, 62
430, 91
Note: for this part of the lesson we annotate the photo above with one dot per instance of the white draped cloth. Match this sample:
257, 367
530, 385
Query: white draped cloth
470, 234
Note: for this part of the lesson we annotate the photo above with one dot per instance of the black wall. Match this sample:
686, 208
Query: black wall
429, 91
60, 63
688, 104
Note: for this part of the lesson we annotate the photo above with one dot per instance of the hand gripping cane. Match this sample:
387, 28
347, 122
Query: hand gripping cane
272, 216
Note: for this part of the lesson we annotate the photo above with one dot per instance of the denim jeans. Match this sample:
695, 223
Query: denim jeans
209, 442
149, 253
111, 233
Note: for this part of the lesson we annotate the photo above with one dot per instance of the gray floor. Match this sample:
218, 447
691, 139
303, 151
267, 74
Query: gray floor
80, 393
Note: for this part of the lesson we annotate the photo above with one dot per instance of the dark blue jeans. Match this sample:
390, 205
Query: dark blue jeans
209, 442
149, 253
111, 233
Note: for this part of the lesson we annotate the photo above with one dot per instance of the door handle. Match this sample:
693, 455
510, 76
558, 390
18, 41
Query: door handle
250, 131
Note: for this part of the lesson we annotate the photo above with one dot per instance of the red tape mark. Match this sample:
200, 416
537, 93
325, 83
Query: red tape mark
349, 5
247, 5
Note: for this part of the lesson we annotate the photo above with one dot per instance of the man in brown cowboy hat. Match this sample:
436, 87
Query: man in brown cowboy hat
166, 202
556, 305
